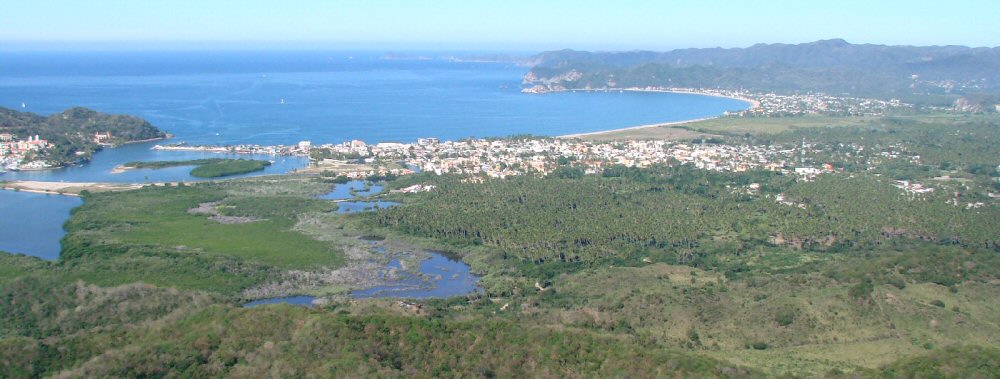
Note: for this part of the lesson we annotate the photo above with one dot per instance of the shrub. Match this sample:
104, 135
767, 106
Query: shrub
785, 317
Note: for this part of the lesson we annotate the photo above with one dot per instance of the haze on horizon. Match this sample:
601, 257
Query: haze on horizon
518, 25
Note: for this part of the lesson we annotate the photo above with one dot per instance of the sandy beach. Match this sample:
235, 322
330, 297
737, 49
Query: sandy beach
753, 104
665, 124
66, 188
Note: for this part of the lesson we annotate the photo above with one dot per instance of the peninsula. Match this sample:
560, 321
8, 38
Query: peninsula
30, 141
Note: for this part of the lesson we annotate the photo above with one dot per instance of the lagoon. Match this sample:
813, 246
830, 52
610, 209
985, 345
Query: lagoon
32, 223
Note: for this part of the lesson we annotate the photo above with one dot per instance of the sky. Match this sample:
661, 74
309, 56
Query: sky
477, 25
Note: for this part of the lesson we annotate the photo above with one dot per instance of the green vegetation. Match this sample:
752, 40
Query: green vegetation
966, 362
636, 272
142, 331
223, 237
207, 168
739, 126
679, 213
72, 131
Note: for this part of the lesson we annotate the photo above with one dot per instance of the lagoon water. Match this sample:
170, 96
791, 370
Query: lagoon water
31, 223
100, 168
227, 98
305, 301
442, 276
351, 189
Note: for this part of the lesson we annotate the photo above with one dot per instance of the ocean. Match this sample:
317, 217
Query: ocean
268, 98
285, 97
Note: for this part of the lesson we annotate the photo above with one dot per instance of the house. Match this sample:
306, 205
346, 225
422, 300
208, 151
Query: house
102, 139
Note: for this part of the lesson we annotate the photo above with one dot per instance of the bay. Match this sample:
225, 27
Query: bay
269, 98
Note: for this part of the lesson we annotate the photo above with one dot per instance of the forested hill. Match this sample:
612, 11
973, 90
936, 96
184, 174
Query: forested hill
833, 66
73, 130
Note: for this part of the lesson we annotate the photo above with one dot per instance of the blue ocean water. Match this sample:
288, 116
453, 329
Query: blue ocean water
284, 97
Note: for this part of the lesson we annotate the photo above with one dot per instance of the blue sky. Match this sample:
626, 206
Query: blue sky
488, 25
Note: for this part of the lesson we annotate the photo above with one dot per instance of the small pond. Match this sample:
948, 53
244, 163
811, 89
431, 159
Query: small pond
349, 207
306, 301
352, 189
442, 277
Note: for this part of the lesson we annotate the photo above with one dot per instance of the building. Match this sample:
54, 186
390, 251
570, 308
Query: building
102, 139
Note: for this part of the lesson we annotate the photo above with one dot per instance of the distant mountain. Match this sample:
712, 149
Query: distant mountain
72, 131
833, 66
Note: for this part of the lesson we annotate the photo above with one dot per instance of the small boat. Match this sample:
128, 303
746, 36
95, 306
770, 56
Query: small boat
23, 105
282, 101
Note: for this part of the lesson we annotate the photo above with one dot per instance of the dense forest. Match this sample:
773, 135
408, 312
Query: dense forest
72, 131
681, 210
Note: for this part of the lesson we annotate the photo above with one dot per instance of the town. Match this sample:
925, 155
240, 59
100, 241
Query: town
765, 104
18, 154
500, 158
29, 154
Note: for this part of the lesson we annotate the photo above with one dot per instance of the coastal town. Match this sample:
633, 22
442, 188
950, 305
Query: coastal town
765, 104
22, 154
17, 154
500, 158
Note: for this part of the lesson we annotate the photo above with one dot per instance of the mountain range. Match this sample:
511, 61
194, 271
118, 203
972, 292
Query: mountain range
831, 66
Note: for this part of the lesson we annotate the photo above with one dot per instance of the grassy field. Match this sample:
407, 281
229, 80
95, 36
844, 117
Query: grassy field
152, 235
645, 133
166, 222
772, 125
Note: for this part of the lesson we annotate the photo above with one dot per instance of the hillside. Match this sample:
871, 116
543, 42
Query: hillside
832, 66
72, 131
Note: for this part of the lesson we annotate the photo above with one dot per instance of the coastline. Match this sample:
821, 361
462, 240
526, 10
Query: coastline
637, 127
80, 163
165, 137
688, 91
65, 188
753, 104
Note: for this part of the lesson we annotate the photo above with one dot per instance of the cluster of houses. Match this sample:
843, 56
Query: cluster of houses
16, 154
772, 105
509, 157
